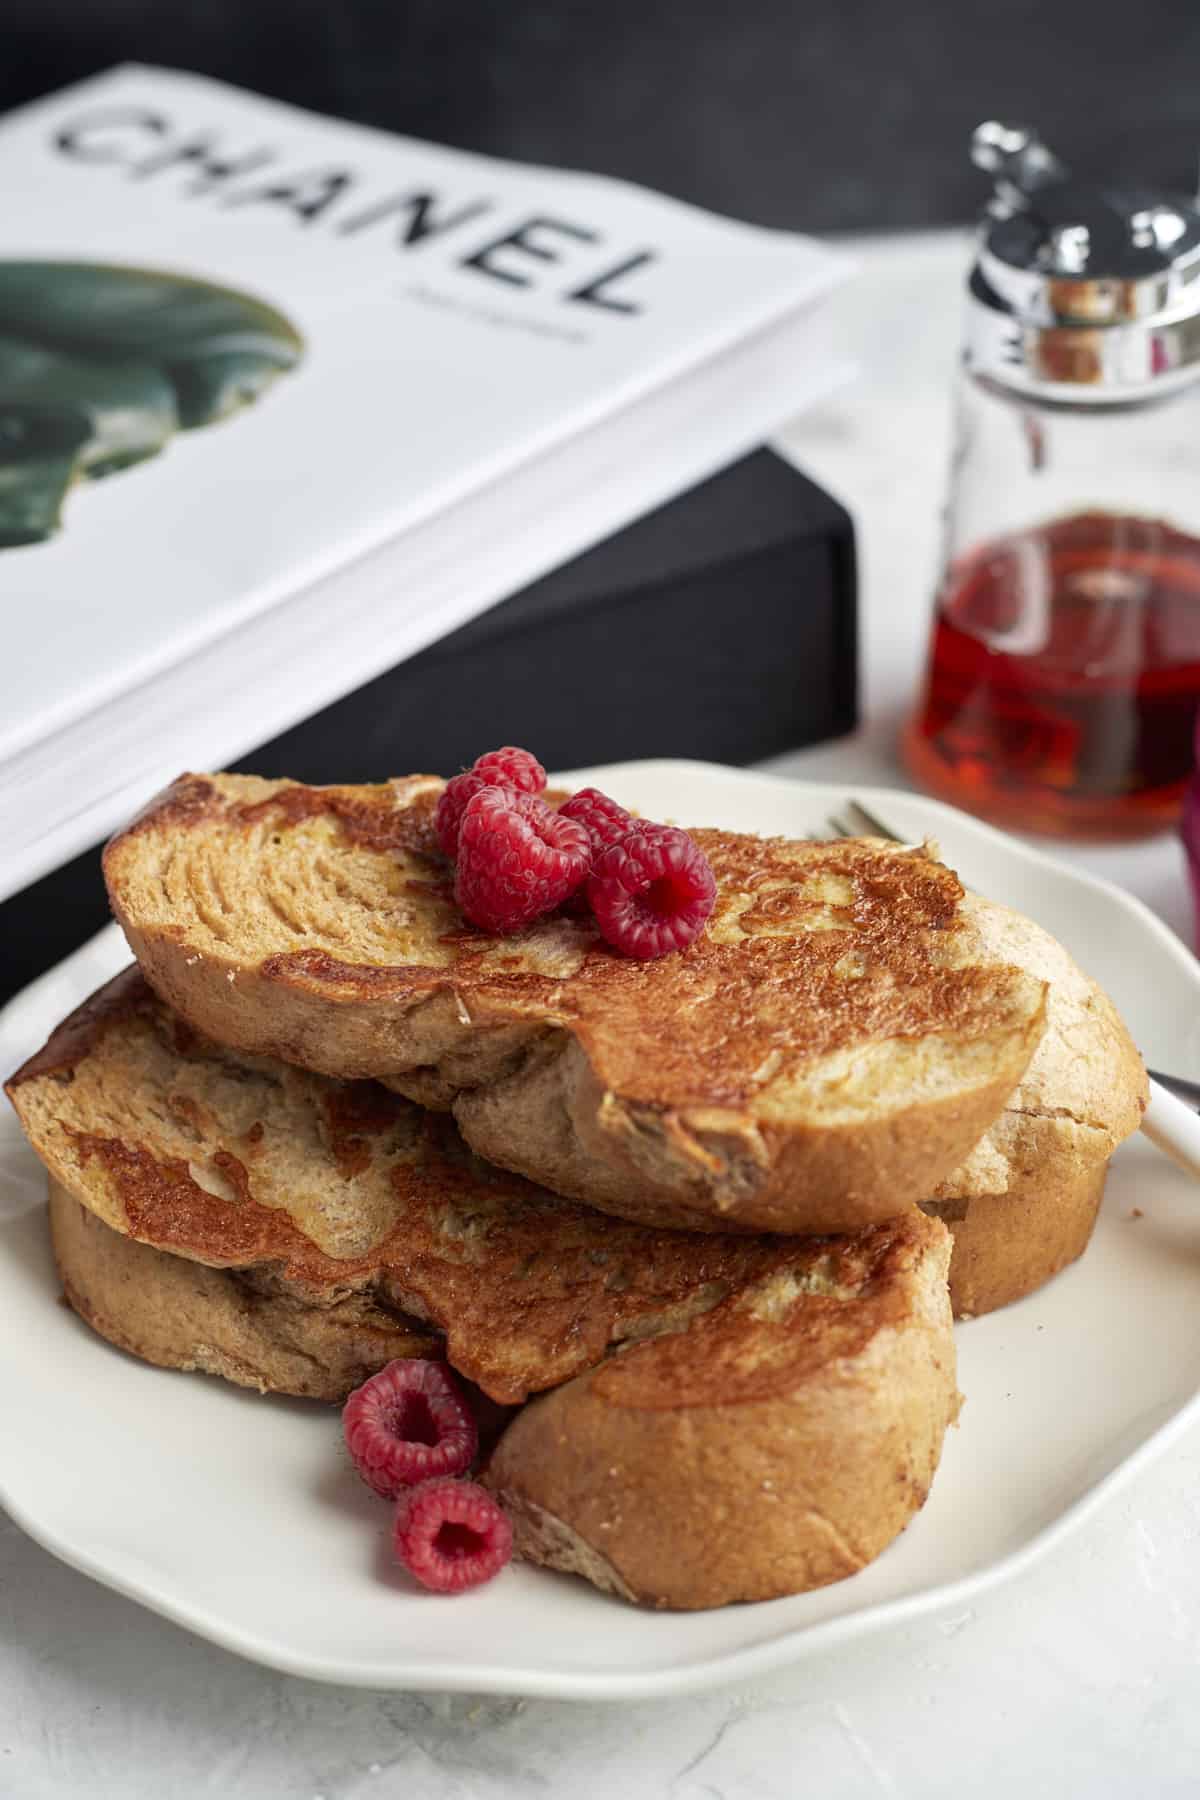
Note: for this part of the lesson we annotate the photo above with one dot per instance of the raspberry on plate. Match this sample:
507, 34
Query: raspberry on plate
506, 768
451, 1535
517, 859
407, 1423
651, 892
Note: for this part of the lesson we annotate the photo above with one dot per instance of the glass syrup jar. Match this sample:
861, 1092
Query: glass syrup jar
1064, 669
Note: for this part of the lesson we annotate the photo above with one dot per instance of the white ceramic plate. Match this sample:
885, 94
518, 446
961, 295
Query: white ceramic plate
240, 1518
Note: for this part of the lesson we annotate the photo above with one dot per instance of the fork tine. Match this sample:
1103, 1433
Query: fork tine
855, 820
875, 825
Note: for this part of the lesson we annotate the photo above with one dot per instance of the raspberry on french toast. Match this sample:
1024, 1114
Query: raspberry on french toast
822, 1057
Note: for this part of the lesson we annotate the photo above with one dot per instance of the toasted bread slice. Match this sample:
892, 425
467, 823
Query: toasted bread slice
1023, 1203
777, 1444
219, 1212
240, 1323
321, 1193
822, 1057
1009, 1245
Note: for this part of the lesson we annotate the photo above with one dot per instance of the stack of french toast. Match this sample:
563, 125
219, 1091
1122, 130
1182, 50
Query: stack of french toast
693, 1228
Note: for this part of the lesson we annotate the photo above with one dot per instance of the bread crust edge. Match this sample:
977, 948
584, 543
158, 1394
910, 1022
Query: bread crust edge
693, 1507
518, 1083
179, 1314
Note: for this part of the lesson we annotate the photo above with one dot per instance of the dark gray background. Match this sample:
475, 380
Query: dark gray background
833, 114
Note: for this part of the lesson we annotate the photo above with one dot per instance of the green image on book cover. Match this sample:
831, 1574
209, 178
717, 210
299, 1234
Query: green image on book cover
100, 366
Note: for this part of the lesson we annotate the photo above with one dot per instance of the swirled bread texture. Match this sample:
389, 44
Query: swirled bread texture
821, 1058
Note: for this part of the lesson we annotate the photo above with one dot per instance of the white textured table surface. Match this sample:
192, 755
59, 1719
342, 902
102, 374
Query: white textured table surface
1080, 1680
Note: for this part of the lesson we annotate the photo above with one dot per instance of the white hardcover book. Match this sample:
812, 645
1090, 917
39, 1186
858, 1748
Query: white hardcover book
283, 400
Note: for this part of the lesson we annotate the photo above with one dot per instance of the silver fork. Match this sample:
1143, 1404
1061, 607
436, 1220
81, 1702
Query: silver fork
1170, 1120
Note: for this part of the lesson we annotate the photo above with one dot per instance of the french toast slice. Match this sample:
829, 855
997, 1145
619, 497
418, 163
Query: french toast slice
322, 1192
234, 1215
220, 1212
821, 1058
774, 1443
777, 1444
245, 1324
1023, 1204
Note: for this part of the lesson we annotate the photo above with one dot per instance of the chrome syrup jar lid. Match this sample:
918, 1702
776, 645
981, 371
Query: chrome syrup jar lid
1079, 294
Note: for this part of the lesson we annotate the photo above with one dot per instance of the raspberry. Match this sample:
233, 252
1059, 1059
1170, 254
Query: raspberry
408, 1422
451, 1535
516, 859
452, 804
512, 768
506, 768
651, 892
605, 823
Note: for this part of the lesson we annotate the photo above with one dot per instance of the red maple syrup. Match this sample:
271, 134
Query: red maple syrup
1064, 678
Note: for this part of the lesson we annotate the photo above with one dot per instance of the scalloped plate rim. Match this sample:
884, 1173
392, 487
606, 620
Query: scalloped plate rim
790, 1645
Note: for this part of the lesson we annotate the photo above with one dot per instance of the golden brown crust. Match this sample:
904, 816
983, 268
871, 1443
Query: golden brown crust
321, 1191
73, 1039
820, 1448
1023, 1203
822, 1057
803, 1437
181, 1314
1084, 1090
800, 1390
1008, 1245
